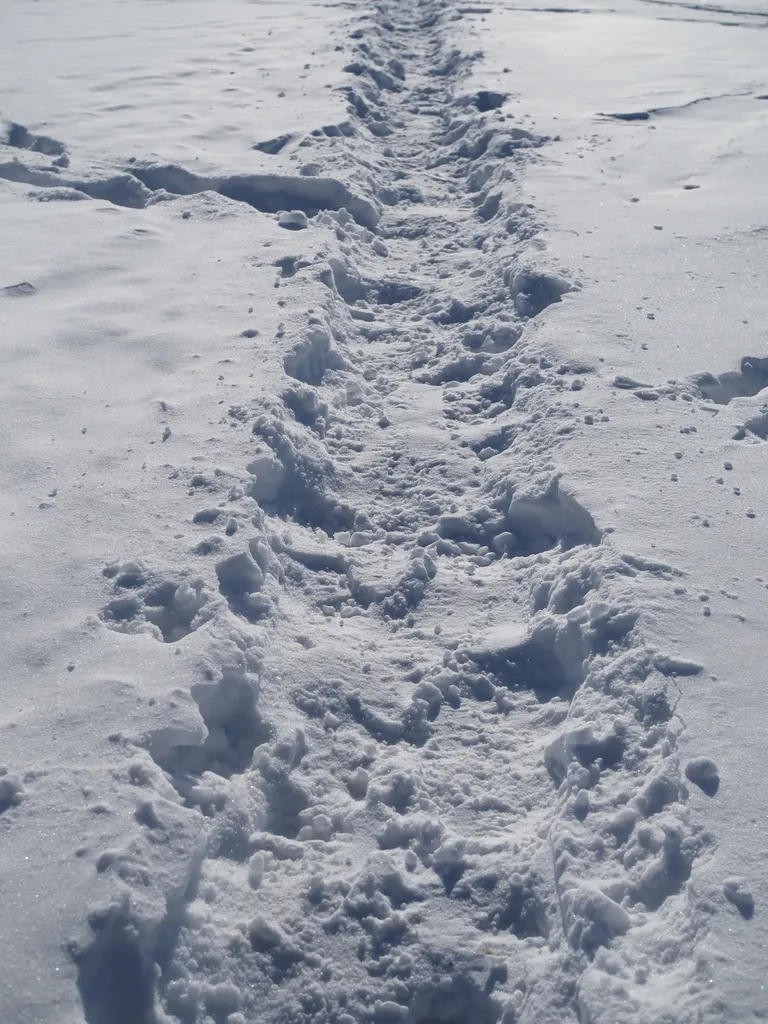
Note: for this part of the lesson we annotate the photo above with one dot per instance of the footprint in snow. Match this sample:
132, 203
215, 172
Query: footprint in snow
168, 607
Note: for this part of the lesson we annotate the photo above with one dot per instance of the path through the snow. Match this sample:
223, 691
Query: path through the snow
417, 758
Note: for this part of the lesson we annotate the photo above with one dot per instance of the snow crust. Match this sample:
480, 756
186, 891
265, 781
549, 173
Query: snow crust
383, 404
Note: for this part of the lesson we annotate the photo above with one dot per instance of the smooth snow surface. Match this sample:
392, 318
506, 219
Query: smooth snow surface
385, 565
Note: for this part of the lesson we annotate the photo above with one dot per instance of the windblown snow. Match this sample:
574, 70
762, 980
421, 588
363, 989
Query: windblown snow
385, 565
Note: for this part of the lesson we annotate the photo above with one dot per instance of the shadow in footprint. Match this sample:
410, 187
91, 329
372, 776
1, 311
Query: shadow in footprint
115, 978
748, 380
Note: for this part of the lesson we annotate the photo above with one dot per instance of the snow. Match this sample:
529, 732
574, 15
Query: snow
383, 607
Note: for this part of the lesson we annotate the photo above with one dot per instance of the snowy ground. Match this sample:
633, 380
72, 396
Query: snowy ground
385, 512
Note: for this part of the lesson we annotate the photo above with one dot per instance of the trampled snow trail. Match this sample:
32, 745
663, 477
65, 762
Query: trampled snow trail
438, 778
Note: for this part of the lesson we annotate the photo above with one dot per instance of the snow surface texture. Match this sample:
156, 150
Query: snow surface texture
385, 498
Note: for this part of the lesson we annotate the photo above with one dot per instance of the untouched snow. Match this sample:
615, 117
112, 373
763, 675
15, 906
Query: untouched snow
384, 513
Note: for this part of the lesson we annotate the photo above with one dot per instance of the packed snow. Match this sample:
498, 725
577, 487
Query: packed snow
385, 562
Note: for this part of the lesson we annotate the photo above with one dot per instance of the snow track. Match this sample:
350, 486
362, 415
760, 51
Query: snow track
425, 768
